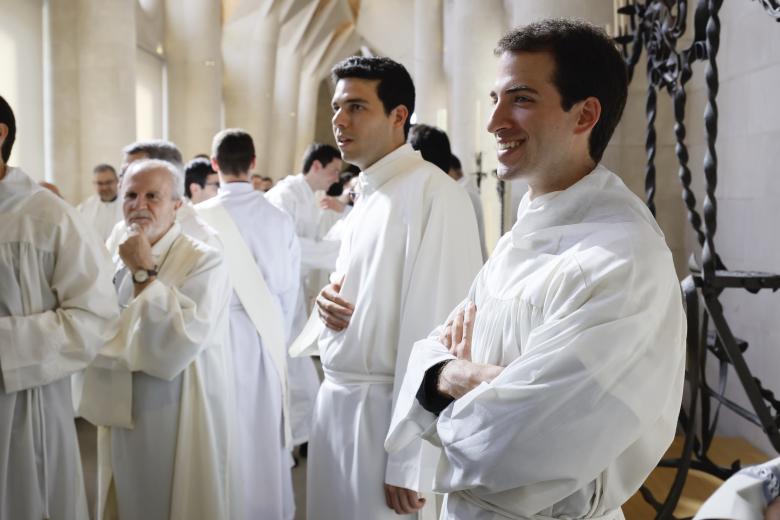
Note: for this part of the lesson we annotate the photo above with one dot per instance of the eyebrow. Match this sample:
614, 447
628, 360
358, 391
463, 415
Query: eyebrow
514, 89
350, 100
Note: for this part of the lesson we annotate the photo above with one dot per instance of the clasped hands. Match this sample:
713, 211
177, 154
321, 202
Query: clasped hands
136, 253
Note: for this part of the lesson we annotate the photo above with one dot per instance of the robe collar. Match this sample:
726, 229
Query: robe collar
16, 180
235, 188
373, 177
559, 208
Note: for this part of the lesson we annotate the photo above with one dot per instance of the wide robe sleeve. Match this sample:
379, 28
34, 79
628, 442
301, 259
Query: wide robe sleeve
161, 332
599, 379
440, 273
42, 344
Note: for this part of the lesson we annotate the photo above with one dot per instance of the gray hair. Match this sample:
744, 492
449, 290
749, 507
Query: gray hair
177, 179
156, 149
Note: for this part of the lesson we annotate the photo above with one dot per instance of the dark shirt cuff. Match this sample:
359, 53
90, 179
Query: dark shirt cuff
428, 395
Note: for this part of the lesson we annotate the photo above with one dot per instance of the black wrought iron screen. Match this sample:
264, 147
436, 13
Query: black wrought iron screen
655, 27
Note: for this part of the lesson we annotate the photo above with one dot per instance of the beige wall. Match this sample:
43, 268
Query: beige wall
21, 79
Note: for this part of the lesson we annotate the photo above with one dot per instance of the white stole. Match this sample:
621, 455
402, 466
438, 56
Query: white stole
252, 291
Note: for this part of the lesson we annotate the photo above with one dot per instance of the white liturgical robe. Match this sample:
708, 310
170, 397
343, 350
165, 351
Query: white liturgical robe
163, 386
262, 460
102, 216
581, 305
57, 308
408, 255
294, 196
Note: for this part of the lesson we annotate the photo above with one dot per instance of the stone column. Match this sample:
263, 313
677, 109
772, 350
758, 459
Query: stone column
428, 66
285, 107
249, 57
473, 28
192, 49
107, 54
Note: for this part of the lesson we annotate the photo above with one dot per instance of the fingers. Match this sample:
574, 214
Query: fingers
333, 310
468, 329
457, 328
403, 501
446, 336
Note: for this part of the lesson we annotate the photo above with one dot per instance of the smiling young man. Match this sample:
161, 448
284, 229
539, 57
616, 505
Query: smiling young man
407, 256
554, 388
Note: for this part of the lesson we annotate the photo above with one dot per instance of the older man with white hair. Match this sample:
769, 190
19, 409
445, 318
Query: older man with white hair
162, 384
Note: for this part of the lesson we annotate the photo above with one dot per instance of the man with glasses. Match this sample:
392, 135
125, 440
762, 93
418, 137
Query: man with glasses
103, 209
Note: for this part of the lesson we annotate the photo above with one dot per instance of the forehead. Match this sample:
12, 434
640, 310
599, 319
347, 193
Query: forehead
356, 88
155, 179
105, 175
532, 69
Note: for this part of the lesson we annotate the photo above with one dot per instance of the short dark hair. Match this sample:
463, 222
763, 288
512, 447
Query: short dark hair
433, 144
455, 163
324, 153
395, 84
7, 118
233, 150
197, 171
104, 167
587, 63
156, 149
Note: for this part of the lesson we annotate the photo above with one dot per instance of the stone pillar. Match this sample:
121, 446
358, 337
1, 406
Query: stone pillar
106, 86
285, 107
307, 113
473, 30
428, 67
249, 57
192, 50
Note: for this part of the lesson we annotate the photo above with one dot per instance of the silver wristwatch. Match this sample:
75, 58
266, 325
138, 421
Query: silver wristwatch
142, 275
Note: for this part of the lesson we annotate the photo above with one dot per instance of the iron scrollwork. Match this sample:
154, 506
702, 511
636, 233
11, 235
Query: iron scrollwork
656, 28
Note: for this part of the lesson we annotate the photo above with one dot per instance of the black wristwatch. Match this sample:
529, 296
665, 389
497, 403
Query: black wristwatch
142, 275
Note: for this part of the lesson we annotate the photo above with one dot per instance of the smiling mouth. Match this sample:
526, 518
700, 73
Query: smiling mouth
508, 145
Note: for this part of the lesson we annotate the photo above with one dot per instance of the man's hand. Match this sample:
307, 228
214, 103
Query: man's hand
403, 501
458, 332
334, 311
332, 203
135, 251
459, 377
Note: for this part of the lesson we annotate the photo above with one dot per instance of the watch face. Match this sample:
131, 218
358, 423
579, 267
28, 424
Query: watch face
140, 276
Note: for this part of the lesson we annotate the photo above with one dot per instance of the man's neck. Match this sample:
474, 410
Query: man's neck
544, 183
228, 178
109, 200
396, 146
3, 170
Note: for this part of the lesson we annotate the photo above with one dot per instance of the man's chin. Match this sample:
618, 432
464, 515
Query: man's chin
508, 173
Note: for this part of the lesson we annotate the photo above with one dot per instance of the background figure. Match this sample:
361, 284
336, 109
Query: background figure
261, 458
297, 196
103, 209
261, 183
57, 308
200, 181
456, 172
434, 146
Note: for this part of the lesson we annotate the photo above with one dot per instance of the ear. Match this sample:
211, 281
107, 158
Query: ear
252, 164
214, 165
195, 188
400, 114
589, 113
316, 166
177, 204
